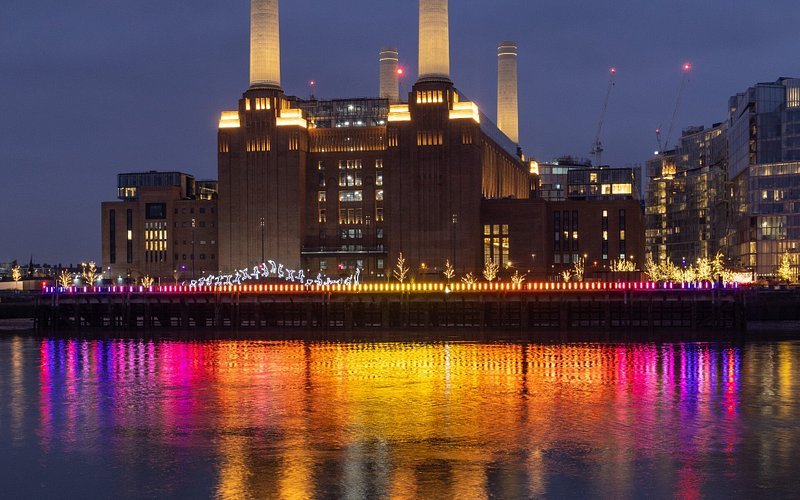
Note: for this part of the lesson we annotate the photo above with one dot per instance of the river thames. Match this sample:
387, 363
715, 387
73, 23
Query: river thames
294, 419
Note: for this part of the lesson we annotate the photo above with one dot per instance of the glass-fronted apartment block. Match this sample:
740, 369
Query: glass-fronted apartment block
764, 150
570, 178
602, 183
554, 175
733, 188
686, 210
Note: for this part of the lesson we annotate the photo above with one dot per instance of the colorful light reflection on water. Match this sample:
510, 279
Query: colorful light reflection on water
403, 420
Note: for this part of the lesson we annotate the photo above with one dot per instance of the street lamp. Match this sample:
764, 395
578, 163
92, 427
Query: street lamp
261, 223
193, 226
453, 238
368, 241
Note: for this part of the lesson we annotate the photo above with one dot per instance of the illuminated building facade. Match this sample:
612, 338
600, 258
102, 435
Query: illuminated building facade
545, 238
733, 187
335, 185
764, 169
164, 226
687, 197
330, 186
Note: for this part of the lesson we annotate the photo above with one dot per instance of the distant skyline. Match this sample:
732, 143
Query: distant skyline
89, 89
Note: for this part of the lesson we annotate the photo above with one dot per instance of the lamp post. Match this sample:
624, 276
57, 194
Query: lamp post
453, 238
368, 242
193, 226
261, 224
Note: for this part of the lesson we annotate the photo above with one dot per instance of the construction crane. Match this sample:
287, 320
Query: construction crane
687, 67
597, 146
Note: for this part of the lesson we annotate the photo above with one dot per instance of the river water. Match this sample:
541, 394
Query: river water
285, 419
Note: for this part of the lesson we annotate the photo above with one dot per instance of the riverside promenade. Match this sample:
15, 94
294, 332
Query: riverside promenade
527, 307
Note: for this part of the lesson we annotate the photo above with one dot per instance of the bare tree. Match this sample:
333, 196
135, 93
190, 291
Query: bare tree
401, 270
469, 279
64, 279
16, 273
89, 272
449, 272
578, 268
490, 271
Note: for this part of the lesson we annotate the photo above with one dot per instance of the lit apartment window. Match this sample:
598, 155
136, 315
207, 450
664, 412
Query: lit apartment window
621, 188
379, 195
350, 196
496, 244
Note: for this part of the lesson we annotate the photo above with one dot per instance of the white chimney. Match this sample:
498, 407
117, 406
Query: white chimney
434, 40
265, 44
507, 100
389, 79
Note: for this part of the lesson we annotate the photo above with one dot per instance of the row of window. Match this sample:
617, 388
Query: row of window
345, 264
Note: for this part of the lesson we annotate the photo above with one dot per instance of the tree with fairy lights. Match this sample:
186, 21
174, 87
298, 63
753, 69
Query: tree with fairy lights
566, 275
64, 279
147, 281
490, 271
578, 268
16, 272
785, 271
400, 269
449, 272
622, 266
89, 272
518, 279
469, 279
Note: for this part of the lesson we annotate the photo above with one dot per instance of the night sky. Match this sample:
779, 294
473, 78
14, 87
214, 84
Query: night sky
91, 88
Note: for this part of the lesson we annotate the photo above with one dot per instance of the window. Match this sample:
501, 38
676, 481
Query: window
379, 164
350, 179
430, 97
350, 165
496, 244
379, 233
621, 188
350, 196
321, 196
129, 226
380, 264
112, 235
379, 180
155, 211
323, 264
379, 195
557, 231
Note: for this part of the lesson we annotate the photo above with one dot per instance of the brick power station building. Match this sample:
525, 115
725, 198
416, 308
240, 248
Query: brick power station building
334, 185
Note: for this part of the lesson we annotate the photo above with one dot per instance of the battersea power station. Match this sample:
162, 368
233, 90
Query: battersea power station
331, 186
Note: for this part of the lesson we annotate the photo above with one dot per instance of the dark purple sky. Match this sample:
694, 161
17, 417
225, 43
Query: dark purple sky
90, 88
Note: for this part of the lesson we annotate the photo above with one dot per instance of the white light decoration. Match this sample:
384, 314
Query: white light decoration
272, 269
